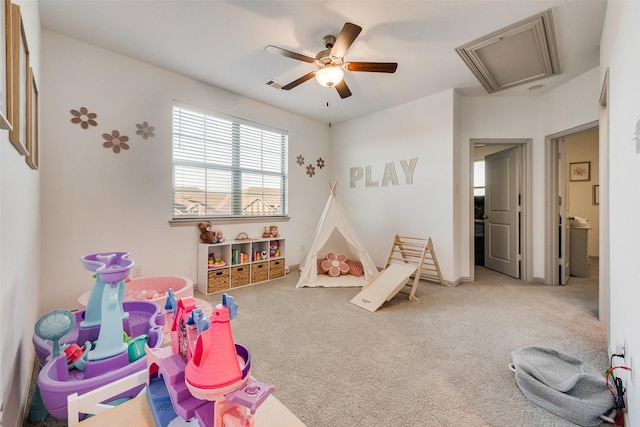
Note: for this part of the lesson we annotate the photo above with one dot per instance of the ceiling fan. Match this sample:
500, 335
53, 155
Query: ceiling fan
331, 63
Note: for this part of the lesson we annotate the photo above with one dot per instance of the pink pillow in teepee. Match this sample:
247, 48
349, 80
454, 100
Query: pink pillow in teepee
335, 264
355, 268
320, 269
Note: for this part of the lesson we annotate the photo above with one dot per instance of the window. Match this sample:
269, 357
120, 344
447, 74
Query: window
478, 178
227, 167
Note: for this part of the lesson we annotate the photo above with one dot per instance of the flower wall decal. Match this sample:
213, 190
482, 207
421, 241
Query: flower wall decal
115, 141
84, 118
311, 170
320, 162
300, 160
145, 130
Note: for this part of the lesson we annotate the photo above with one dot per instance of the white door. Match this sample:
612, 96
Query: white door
502, 210
565, 244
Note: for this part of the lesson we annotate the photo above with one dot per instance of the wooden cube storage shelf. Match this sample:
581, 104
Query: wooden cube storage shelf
239, 263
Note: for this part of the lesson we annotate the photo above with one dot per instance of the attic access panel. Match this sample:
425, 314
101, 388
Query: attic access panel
515, 55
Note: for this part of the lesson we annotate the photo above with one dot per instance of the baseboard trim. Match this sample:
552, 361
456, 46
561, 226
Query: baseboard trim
540, 280
458, 281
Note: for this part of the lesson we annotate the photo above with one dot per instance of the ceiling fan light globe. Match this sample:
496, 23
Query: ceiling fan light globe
329, 76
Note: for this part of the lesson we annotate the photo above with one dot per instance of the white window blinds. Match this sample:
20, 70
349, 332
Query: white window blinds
225, 167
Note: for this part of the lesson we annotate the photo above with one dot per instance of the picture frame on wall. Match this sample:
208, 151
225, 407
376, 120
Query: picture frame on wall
5, 65
579, 171
596, 195
33, 123
19, 86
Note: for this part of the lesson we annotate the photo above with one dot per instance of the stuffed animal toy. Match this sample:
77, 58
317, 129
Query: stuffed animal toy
273, 231
274, 250
207, 235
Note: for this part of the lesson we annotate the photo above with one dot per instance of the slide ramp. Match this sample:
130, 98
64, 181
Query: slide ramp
384, 286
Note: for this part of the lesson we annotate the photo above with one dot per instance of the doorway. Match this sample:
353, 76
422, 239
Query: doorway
573, 193
573, 224
500, 215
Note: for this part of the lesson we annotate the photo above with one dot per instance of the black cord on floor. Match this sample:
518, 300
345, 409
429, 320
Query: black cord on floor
620, 391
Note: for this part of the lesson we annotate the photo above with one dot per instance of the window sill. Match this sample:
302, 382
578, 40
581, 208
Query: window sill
227, 220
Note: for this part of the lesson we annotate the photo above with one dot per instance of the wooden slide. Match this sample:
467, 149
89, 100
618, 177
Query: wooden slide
384, 286
409, 256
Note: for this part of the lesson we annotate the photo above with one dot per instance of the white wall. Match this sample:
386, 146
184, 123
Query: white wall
20, 237
95, 200
619, 53
422, 129
461, 182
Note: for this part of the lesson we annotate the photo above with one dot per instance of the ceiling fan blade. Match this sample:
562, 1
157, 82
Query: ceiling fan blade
299, 81
346, 37
279, 51
372, 67
343, 89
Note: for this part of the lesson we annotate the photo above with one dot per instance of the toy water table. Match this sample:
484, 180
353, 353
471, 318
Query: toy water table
95, 350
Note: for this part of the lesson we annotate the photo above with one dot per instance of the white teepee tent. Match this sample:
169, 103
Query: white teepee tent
335, 233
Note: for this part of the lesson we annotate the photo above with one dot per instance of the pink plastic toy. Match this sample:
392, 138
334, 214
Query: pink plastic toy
204, 374
154, 288
214, 369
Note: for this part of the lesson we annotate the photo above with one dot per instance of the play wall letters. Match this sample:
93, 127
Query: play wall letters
390, 175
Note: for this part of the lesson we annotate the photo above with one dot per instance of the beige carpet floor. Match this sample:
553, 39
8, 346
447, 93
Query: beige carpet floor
440, 362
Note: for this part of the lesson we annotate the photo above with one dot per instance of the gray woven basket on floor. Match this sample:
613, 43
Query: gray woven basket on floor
562, 384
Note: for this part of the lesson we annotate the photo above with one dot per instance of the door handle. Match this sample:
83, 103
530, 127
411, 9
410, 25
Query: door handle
485, 216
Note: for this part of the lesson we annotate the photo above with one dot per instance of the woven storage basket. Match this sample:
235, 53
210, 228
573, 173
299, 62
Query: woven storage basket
276, 268
218, 280
239, 275
259, 272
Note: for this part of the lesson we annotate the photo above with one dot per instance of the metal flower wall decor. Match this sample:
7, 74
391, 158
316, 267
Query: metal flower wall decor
84, 118
310, 169
115, 141
145, 130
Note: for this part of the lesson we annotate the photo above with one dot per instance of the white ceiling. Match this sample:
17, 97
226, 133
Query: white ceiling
222, 43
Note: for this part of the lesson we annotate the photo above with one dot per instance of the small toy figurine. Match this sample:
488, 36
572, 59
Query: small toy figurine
274, 250
265, 232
